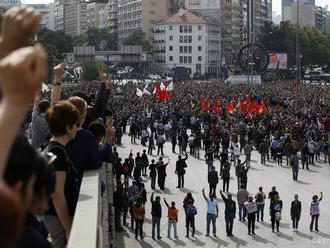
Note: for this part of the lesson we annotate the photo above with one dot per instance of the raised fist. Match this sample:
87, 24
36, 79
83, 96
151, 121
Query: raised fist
19, 25
58, 72
22, 73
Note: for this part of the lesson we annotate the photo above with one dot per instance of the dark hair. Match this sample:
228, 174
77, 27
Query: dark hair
260, 188
22, 163
85, 97
45, 178
43, 106
97, 129
60, 116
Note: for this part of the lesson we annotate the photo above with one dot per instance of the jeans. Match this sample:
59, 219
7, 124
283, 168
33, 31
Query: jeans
139, 228
209, 218
155, 224
213, 189
160, 150
225, 185
229, 224
273, 219
153, 182
295, 222
190, 221
316, 218
263, 158
251, 222
56, 231
260, 211
172, 223
242, 212
180, 180
295, 171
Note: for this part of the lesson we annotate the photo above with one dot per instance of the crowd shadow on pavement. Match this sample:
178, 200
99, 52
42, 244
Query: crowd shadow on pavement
284, 236
259, 239
239, 242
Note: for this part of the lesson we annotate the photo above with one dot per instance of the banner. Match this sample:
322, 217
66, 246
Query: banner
278, 61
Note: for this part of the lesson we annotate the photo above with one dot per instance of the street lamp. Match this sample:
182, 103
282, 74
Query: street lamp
297, 45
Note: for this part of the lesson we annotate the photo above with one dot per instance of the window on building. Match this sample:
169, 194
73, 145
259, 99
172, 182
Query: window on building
199, 27
199, 37
185, 59
171, 37
181, 49
181, 39
189, 39
189, 59
181, 29
170, 58
199, 48
199, 58
181, 59
185, 29
185, 49
171, 48
171, 27
190, 29
185, 39
190, 49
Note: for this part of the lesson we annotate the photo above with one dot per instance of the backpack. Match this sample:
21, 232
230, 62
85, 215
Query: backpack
71, 189
191, 210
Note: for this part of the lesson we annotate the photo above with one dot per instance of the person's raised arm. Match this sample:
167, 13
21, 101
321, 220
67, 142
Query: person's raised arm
223, 196
203, 191
152, 197
56, 90
321, 197
186, 156
166, 203
30, 65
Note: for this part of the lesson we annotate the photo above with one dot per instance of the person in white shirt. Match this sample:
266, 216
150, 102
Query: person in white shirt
212, 213
251, 209
315, 212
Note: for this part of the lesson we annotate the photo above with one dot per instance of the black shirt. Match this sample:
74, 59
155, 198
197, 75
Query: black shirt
156, 209
71, 188
32, 236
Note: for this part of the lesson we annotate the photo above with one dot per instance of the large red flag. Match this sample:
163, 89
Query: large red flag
208, 104
202, 103
240, 105
255, 106
263, 107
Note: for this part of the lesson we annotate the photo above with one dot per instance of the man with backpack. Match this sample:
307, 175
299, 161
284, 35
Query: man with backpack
260, 200
190, 211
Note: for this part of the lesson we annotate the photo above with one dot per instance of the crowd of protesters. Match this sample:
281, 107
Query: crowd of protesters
45, 151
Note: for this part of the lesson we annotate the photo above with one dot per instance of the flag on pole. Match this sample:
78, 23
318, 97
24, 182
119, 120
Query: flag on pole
170, 87
139, 92
215, 107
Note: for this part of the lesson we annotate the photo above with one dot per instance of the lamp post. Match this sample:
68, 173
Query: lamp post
297, 45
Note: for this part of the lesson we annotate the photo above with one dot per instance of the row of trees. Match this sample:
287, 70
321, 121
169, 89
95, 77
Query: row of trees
314, 44
57, 43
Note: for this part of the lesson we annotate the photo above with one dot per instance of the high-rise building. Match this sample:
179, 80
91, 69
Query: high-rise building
327, 23
309, 15
139, 15
96, 14
286, 3
75, 17
190, 40
47, 13
59, 6
9, 3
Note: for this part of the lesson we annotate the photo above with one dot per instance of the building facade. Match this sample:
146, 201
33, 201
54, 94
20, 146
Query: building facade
47, 13
75, 17
309, 15
139, 16
59, 6
188, 40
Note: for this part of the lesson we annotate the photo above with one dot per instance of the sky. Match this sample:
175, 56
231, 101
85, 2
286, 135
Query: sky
276, 3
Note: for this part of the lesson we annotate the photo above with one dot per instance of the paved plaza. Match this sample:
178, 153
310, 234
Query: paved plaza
310, 182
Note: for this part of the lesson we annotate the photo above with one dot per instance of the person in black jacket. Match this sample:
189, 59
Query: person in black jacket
226, 176
138, 167
117, 204
295, 213
145, 162
173, 141
213, 180
153, 173
180, 170
161, 166
151, 144
230, 212
156, 213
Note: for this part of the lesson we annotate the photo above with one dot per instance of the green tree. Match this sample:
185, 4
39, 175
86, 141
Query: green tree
90, 70
137, 39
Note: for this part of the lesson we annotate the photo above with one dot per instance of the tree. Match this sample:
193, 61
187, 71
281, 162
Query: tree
90, 70
137, 39
314, 44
